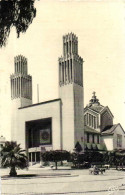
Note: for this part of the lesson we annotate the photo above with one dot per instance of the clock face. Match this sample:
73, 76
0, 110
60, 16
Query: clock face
45, 135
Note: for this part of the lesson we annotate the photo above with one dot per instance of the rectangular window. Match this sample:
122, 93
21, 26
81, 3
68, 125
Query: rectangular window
89, 120
88, 137
85, 120
94, 122
98, 139
68, 72
65, 72
62, 72
93, 138
119, 140
71, 68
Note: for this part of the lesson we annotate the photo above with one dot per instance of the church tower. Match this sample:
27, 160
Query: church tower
71, 93
21, 92
21, 82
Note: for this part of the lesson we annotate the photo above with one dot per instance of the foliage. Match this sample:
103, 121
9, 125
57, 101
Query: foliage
55, 156
78, 147
85, 159
117, 157
13, 157
15, 13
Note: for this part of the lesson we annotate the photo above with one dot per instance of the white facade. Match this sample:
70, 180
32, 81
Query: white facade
50, 109
115, 139
61, 118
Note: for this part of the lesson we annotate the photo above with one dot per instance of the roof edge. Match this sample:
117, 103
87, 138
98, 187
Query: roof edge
37, 104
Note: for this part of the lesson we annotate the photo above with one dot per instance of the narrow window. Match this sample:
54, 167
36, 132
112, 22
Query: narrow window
71, 68
85, 120
68, 72
98, 139
67, 46
119, 140
93, 138
94, 122
63, 72
88, 137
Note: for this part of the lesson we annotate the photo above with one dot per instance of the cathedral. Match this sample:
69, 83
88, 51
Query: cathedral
62, 123
54, 124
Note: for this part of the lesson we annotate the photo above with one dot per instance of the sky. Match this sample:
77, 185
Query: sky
100, 28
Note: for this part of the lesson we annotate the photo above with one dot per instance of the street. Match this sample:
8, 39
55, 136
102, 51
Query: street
45, 181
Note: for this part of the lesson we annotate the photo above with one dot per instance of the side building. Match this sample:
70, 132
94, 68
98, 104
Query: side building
100, 132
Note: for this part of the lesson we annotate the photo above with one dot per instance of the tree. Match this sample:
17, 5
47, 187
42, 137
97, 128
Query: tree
13, 157
15, 13
55, 156
78, 147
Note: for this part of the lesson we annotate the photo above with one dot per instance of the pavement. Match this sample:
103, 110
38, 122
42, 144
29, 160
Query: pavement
45, 181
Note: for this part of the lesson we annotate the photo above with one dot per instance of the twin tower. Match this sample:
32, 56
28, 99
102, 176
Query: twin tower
70, 90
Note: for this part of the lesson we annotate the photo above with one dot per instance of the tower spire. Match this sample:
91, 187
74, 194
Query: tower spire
21, 82
94, 99
71, 64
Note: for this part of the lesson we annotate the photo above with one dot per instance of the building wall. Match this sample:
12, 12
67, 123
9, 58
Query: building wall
39, 111
108, 140
91, 138
106, 120
67, 97
111, 140
92, 119
78, 114
118, 131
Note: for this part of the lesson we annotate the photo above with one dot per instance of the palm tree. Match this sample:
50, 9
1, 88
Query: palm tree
13, 157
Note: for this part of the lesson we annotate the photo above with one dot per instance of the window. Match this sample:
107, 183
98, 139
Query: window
94, 122
87, 137
85, 120
89, 120
93, 138
119, 140
97, 139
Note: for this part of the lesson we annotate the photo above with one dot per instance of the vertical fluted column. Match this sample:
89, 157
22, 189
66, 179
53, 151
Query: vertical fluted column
74, 65
71, 61
11, 88
24, 87
31, 87
64, 71
60, 73
28, 88
21, 86
16, 86
70, 70
79, 72
76, 70
63, 46
82, 73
